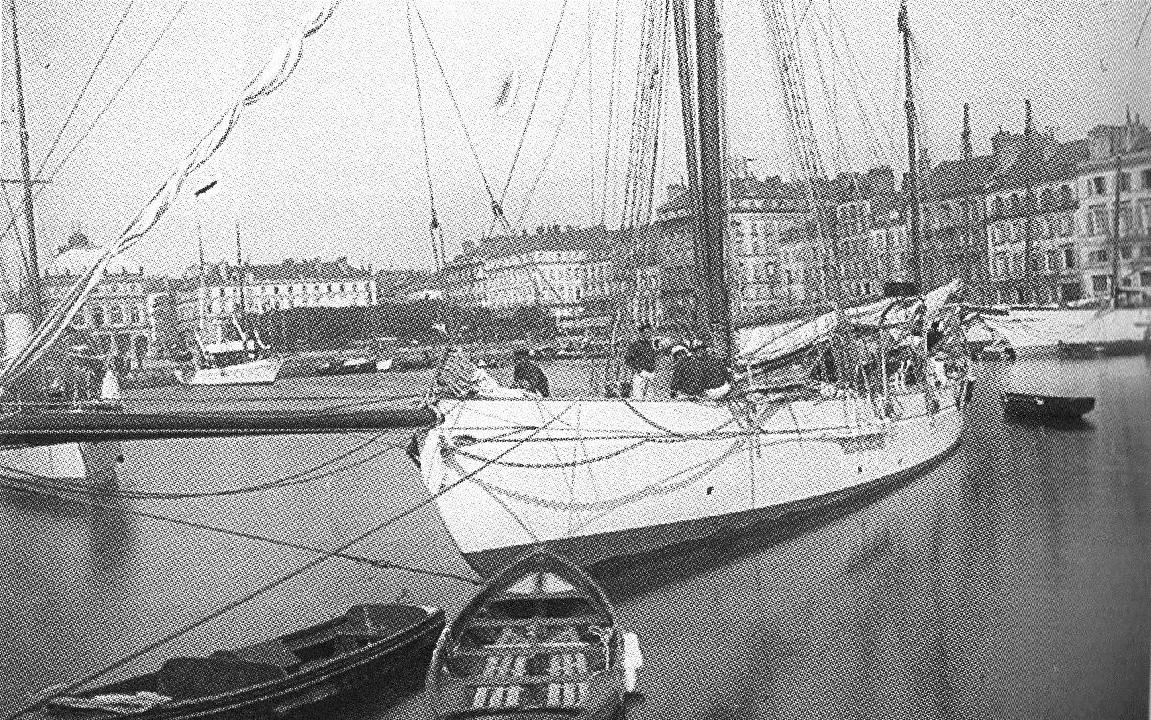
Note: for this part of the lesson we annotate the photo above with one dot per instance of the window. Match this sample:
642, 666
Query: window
1066, 195
1125, 252
1145, 278
1069, 257
1145, 251
1047, 198
1099, 185
1147, 179
1053, 261
1097, 256
998, 206
117, 315
1099, 283
1124, 181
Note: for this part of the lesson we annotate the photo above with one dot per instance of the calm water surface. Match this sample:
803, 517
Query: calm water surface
1012, 581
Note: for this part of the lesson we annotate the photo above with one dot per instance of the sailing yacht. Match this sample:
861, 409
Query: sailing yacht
74, 462
236, 355
603, 478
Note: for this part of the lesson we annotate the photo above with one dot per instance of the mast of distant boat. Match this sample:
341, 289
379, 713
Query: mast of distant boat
914, 258
1115, 227
31, 295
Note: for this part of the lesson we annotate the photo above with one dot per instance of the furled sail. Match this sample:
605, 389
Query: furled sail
284, 60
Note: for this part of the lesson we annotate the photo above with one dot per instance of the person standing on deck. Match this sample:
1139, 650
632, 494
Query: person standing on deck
714, 381
529, 376
686, 374
640, 358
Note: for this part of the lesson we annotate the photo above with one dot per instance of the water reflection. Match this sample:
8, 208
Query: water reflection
1011, 581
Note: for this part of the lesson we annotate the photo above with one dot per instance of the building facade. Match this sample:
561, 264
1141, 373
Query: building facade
1118, 162
121, 316
207, 297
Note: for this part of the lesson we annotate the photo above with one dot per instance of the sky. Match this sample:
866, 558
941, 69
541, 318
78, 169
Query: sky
332, 163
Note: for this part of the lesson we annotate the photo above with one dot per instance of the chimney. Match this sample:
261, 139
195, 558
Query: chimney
1027, 129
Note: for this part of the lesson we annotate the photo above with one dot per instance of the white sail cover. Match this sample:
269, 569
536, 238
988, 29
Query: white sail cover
284, 60
763, 343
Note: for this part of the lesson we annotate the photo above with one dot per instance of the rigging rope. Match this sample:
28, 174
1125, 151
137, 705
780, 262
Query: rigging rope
497, 210
437, 239
87, 82
263, 589
532, 107
305, 476
362, 559
610, 115
284, 60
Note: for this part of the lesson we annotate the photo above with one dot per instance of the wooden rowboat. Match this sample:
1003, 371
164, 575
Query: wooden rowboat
370, 646
539, 641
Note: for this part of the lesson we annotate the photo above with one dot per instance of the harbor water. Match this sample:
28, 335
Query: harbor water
1011, 581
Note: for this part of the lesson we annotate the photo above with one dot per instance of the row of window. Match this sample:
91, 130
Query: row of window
1016, 203
105, 315
1051, 261
1102, 185
1041, 227
289, 289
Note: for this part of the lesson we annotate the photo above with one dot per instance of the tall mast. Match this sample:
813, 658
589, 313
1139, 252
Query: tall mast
711, 200
202, 296
914, 261
1028, 161
31, 294
240, 271
1115, 230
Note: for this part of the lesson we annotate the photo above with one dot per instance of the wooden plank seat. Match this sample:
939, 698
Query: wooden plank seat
537, 621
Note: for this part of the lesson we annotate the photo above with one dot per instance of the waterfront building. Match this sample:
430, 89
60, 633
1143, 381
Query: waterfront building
546, 269
871, 233
225, 290
1030, 206
1118, 157
763, 213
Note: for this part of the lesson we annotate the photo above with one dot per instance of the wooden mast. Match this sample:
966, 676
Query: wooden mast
914, 259
702, 107
31, 293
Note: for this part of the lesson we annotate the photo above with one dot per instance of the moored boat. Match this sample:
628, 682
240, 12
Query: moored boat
1049, 407
540, 640
367, 646
262, 371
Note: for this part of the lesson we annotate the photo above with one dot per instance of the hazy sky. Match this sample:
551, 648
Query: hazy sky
332, 164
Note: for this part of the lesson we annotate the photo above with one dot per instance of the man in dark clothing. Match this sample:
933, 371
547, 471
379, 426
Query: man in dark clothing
686, 374
530, 376
714, 381
640, 358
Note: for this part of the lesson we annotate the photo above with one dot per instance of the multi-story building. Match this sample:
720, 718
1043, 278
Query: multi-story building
762, 214
1030, 206
871, 233
546, 269
209, 296
121, 315
1118, 159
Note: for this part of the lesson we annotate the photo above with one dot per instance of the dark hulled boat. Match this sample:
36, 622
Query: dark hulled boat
540, 640
362, 649
1048, 407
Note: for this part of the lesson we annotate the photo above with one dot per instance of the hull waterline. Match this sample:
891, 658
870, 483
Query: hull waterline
600, 480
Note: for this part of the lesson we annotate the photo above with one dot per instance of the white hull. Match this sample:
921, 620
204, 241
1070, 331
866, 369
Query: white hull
256, 372
85, 464
609, 478
1041, 329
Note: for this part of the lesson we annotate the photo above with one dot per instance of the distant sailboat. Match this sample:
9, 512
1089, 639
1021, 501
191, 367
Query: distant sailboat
237, 355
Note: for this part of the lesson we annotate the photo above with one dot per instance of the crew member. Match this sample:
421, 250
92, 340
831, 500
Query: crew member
640, 358
714, 379
528, 375
686, 374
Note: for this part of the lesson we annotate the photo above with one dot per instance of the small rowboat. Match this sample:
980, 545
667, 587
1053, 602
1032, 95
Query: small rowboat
1050, 407
370, 646
539, 641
